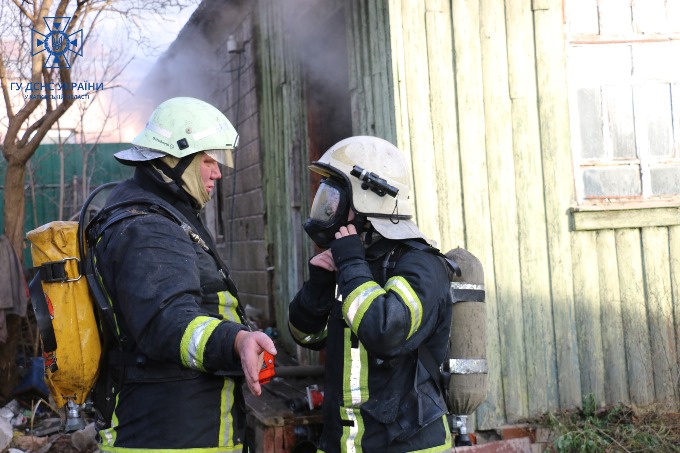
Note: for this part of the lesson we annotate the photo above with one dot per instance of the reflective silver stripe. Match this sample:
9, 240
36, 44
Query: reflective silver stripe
467, 292
159, 130
195, 344
350, 444
461, 285
306, 338
356, 305
355, 376
467, 366
211, 130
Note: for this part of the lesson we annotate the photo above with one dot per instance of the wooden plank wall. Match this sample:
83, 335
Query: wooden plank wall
283, 153
481, 108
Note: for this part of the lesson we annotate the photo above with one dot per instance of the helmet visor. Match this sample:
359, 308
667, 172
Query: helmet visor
222, 156
330, 202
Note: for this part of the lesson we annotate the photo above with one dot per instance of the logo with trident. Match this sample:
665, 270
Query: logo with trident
56, 42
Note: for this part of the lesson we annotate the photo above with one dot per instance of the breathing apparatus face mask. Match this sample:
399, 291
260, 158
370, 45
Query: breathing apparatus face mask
329, 212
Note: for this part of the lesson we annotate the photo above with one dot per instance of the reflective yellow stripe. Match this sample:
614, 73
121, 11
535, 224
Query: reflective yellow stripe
109, 435
400, 286
227, 306
307, 338
443, 448
236, 449
194, 340
358, 301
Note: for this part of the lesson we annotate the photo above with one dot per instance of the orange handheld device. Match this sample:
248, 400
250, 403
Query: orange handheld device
267, 371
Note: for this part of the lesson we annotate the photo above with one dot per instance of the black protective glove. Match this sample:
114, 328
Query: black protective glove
320, 288
349, 256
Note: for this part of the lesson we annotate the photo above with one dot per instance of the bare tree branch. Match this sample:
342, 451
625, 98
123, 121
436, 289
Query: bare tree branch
23, 10
61, 9
5, 90
27, 118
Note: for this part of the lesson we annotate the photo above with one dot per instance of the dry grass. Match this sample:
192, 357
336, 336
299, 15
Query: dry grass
621, 428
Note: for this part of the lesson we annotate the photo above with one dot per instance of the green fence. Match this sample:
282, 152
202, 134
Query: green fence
84, 167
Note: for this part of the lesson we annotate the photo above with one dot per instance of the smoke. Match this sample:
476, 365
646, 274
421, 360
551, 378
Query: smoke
197, 63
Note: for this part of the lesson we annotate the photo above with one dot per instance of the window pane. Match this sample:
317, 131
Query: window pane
649, 16
583, 16
615, 17
612, 181
673, 15
620, 126
655, 61
653, 119
590, 123
666, 180
600, 64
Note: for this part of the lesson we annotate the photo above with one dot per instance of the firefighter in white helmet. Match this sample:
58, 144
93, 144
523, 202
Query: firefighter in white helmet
177, 311
393, 306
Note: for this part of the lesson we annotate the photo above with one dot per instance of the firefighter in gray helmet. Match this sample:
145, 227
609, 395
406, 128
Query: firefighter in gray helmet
393, 305
176, 307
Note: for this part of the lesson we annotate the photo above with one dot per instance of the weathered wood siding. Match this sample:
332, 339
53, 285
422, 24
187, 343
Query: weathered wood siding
480, 97
239, 207
284, 158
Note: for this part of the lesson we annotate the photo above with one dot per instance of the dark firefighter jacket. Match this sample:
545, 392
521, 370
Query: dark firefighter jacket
174, 308
377, 395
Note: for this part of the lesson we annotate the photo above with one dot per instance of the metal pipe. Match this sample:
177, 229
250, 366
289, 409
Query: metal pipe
299, 370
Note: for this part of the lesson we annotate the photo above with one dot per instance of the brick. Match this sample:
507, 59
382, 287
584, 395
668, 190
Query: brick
246, 229
517, 432
249, 179
251, 282
519, 445
248, 142
260, 303
245, 205
249, 255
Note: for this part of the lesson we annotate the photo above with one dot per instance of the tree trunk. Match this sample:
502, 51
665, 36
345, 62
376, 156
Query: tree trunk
8, 354
14, 230
14, 205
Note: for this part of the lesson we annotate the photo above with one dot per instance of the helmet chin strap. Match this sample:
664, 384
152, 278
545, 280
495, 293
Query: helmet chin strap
364, 228
176, 173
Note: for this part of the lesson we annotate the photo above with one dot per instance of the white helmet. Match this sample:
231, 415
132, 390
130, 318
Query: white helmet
180, 127
377, 175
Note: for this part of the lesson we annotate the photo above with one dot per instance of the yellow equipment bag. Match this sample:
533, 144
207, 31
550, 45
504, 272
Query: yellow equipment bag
65, 313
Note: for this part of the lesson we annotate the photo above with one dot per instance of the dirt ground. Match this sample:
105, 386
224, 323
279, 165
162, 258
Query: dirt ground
56, 443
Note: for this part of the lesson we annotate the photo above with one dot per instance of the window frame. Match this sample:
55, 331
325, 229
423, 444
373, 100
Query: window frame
594, 212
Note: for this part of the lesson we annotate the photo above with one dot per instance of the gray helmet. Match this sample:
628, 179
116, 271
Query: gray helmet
378, 177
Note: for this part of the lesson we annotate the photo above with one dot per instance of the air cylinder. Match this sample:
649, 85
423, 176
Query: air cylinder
467, 357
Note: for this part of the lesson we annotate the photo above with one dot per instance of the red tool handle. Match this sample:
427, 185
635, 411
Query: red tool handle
267, 371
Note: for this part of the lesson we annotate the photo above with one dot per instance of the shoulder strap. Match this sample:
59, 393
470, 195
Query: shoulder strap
42, 315
425, 357
452, 265
393, 256
100, 222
